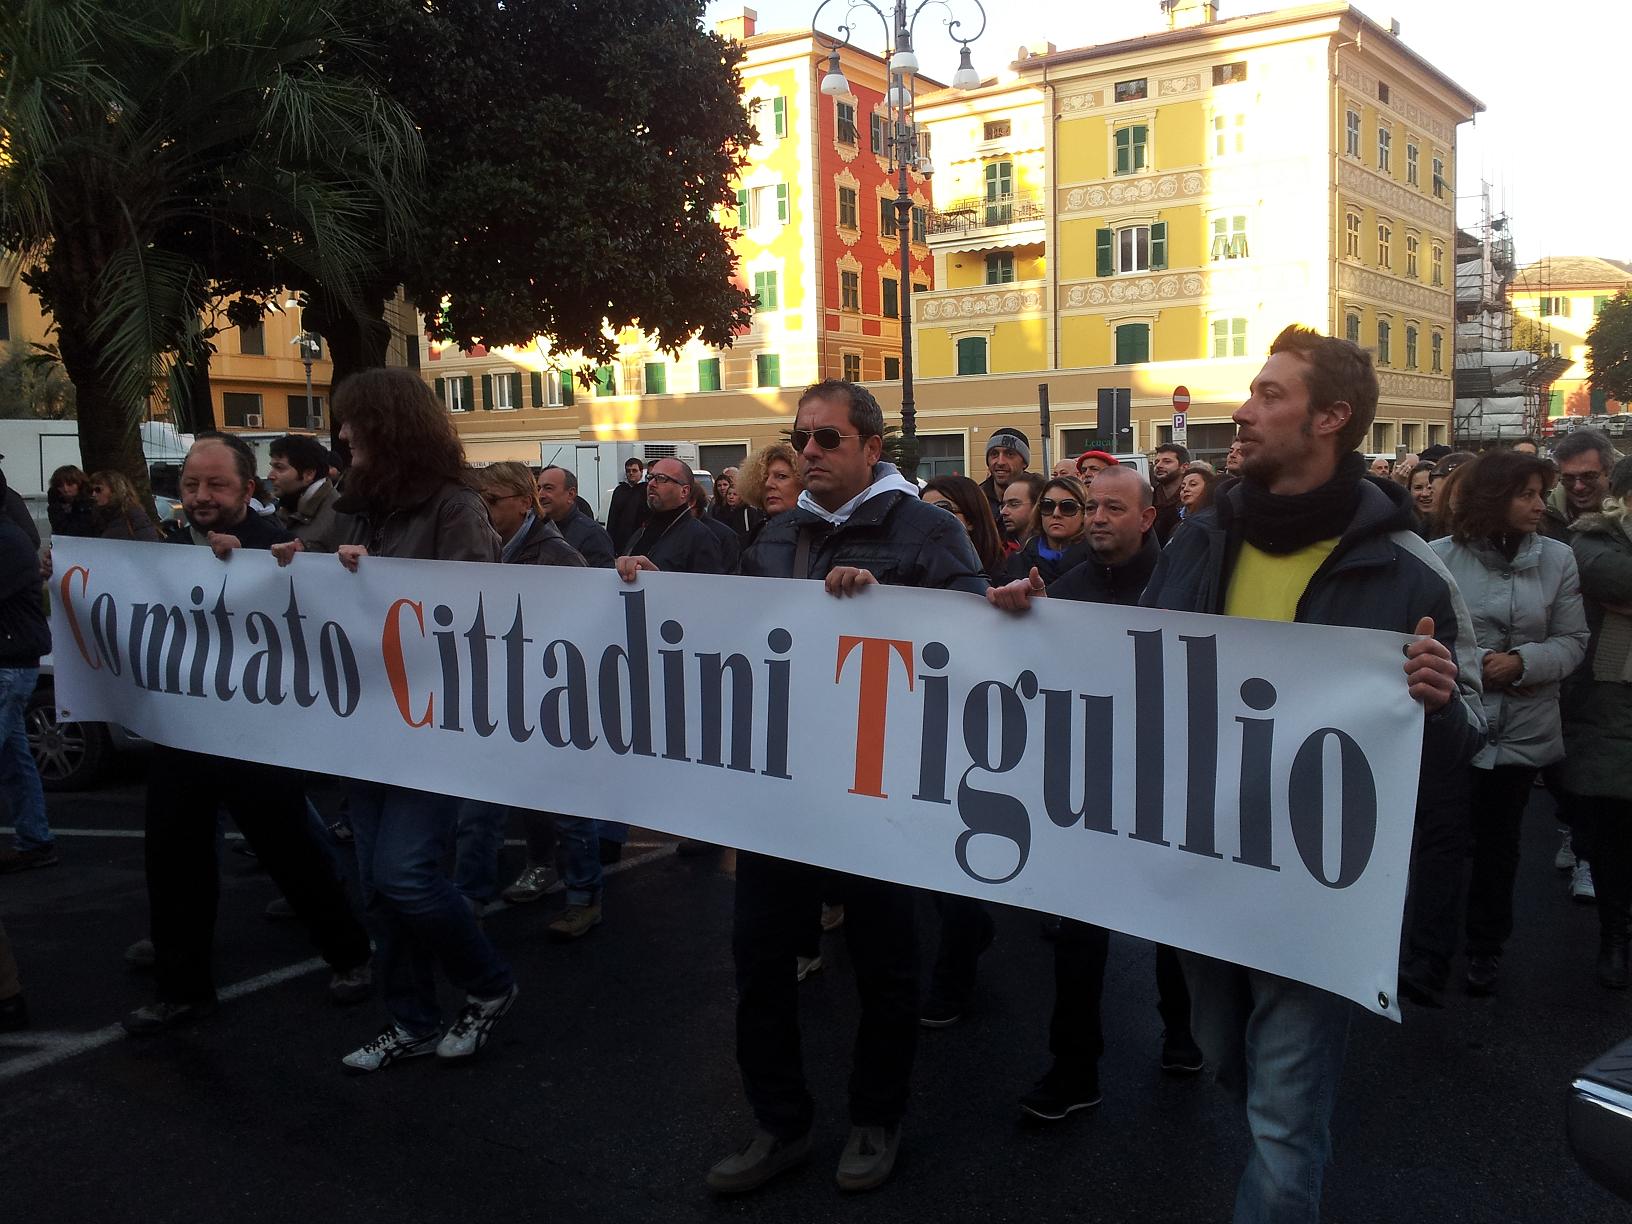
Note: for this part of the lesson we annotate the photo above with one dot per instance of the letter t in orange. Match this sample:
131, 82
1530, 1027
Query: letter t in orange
873, 707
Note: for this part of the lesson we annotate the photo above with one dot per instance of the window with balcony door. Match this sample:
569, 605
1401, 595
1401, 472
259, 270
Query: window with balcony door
1413, 165
1352, 134
1410, 346
1385, 246
999, 192
920, 224
891, 292
1385, 149
1436, 351
1351, 244
849, 212
1413, 249
1385, 342
880, 133
1229, 237
1000, 267
887, 227
1439, 265
771, 118
1439, 178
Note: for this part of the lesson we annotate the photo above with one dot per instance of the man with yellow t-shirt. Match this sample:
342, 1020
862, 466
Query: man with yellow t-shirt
1305, 536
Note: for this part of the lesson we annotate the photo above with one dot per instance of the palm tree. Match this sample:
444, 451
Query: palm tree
153, 152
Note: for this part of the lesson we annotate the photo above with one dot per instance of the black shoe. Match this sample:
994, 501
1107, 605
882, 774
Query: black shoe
1415, 990
157, 1017
611, 851
940, 1013
1612, 962
1483, 971
13, 1014
1180, 1054
1061, 1093
27, 860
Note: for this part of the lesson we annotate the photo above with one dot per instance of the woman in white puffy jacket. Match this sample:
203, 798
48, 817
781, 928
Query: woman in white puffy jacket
1524, 594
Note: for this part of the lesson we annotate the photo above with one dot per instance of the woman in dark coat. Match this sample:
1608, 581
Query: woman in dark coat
963, 498
1059, 532
68, 503
116, 514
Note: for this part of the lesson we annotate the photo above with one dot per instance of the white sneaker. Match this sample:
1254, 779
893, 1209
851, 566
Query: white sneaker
1581, 888
469, 1032
392, 1045
1564, 860
808, 965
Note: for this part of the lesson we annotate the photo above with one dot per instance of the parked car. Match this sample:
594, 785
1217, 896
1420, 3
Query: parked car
71, 756
1599, 1119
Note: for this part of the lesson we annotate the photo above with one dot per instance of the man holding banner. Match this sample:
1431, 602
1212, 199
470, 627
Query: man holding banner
1305, 537
858, 522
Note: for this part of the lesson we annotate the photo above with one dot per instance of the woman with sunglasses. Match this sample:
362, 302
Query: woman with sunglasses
116, 512
962, 498
1059, 532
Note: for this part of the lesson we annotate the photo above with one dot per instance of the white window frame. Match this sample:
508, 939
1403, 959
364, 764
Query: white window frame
1385, 243
1353, 233
1413, 164
1235, 337
1234, 237
1413, 256
1116, 248
1352, 133
1385, 149
455, 387
1224, 126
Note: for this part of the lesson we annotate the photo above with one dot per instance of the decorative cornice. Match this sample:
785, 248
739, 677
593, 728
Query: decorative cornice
979, 303
1403, 293
1128, 289
1401, 104
1145, 189
1171, 87
1413, 387
1362, 181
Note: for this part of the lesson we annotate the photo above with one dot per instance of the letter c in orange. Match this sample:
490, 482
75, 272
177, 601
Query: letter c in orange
94, 662
396, 669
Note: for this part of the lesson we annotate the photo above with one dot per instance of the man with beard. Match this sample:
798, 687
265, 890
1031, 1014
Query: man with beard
299, 475
1008, 454
1166, 472
673, 538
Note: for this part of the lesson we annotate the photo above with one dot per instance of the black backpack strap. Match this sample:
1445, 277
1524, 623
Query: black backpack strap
801, 552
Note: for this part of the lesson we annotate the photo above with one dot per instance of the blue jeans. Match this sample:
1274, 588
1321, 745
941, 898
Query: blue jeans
421, 920
1279, 1045
18, 777
571, 842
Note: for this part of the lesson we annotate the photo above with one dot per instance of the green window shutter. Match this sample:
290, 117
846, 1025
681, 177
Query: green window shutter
487, 391
768, 368
606, 382
1158, 245
515, 390
538, 389
657, 378
708, 374
467, 387
1141, 143
1132, 343
742, 208
972, 355
442, 391
782, 203
1124, 150
779, 116
1103, 250
567, 380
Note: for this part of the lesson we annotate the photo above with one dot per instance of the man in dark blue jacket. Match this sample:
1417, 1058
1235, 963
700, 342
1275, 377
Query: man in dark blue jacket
858, 523
185, 790
558, 495
24, 637
672, 538
1303, 536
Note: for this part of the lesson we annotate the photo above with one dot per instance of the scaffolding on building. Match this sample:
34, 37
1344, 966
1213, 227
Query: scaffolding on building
1498, 395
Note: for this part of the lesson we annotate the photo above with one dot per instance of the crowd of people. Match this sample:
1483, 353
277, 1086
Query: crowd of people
1511, 571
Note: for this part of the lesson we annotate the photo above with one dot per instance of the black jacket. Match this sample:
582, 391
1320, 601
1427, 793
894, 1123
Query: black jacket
589, 538
1168, 516
71, 516
1019, 564
994, 499
1095, 582
544, 545
678, 542
893, 536
745, 520
1380, 576
625, 514
24, 632
730, 546
255, 531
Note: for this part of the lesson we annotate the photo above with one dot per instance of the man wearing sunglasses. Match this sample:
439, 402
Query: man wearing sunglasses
671, 538
1585, 459
858, 523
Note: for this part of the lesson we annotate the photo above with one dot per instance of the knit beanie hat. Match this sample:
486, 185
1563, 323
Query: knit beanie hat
1013, 439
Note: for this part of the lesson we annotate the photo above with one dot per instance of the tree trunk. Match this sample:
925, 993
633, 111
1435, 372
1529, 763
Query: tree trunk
200, 414
108, 437
354, 344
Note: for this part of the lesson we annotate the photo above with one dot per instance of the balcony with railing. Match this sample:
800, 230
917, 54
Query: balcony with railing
996, 220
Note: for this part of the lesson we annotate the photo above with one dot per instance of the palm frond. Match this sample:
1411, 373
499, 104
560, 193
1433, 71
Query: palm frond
144, 299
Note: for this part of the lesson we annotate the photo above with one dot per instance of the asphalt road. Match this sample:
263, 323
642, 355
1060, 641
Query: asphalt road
611, 1087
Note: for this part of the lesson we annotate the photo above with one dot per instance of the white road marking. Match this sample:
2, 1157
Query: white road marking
51, 1047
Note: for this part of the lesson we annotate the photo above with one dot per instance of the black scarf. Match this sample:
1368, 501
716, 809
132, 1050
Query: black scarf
1280, 523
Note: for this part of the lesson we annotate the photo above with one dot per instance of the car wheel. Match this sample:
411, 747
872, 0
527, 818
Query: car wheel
69, 755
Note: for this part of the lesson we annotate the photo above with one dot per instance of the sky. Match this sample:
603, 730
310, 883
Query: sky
1551, 141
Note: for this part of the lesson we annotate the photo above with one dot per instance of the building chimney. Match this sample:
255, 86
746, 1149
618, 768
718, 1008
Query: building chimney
1032, 50
737, 29
1181, 14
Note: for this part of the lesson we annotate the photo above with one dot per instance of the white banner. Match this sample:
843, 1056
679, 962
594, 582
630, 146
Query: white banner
1239, 788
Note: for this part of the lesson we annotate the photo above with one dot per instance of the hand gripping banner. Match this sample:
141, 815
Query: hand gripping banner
1242, 789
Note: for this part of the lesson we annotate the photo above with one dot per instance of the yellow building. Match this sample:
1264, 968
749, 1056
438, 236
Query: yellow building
1205, 186
1564, 294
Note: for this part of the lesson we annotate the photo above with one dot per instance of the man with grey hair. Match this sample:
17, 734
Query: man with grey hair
1584, 458
558, 494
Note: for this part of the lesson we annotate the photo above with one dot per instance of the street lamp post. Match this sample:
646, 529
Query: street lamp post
304, 339
905, 151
